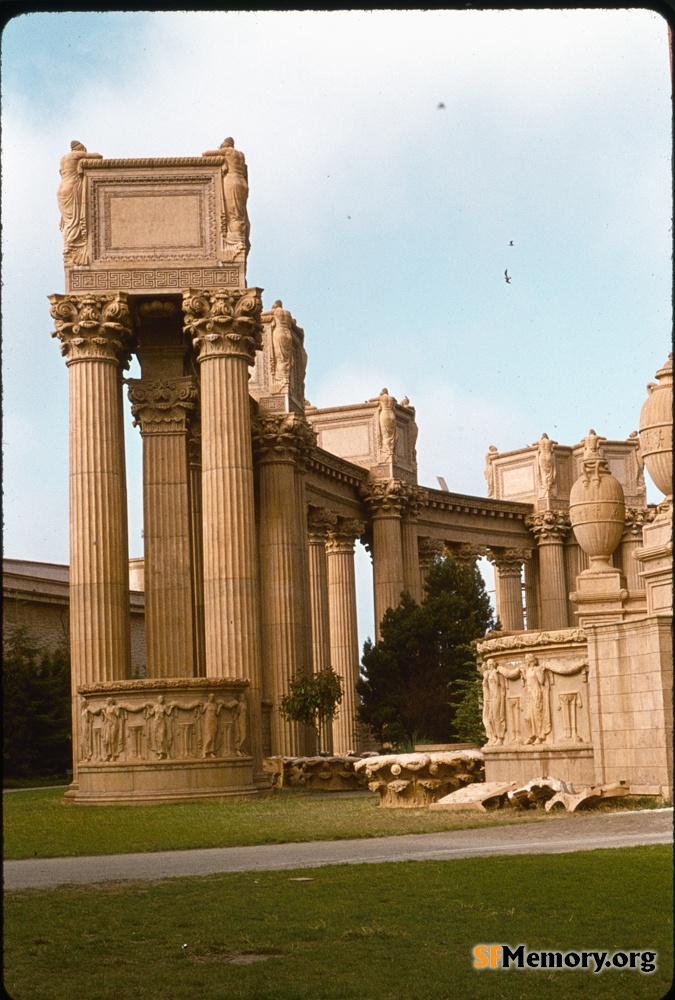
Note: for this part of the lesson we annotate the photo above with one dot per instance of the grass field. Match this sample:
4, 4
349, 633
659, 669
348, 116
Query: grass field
368, 932
38, 824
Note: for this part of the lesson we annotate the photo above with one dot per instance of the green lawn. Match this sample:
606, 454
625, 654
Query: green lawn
368, 932
38, 824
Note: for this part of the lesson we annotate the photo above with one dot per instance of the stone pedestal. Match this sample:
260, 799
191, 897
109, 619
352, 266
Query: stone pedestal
226, 331
95, 332
344, 641
151, 741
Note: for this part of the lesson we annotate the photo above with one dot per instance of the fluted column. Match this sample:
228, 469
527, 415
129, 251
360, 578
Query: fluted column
549, 529
280, 441
344, 638
412, 577
194, 443
385, 500
532, 591
319, 521
428, 549
508, 565
162, 408
631, 542
226, 332
95, 333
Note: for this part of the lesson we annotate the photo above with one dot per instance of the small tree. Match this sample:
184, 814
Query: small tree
410, 677
313, 700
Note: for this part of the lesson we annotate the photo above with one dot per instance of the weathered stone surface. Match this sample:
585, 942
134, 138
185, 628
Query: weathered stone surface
572, 800
413, 780
480, 796
538, 791
325, 774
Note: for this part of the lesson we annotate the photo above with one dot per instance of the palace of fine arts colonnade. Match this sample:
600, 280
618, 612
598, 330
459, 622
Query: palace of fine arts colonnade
254, 500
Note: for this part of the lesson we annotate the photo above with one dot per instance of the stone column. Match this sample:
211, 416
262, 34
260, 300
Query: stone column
532, 591
194, 444
428, 549
412, 577
385, 500
95, 334
576, 561
226, 332
549, 529
344, 638
631, 542
508, 565
280, 440
162, 408
319, 522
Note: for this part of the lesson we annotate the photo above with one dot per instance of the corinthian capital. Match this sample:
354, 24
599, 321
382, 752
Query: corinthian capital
342, 537
428, 549
92, 327
320, 520
162, 406
465, 552
636, 518
282, 436
548, 526
390, 497
509, 562
224, 322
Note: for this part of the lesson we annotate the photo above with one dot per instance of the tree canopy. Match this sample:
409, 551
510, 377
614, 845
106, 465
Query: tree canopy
313, 700
416, 675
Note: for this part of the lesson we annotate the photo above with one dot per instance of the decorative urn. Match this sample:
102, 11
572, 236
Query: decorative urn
656, 429
597, 507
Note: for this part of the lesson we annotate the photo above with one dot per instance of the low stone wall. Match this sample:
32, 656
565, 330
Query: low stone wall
414, 780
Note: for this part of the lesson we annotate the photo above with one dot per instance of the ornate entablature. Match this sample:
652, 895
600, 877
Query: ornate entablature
158, 225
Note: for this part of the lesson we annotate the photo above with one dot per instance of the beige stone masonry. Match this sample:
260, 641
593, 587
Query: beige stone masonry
344, 640
549, 529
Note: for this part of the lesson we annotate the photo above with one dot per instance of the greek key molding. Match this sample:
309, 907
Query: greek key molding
149, 279
224, 323
92, 327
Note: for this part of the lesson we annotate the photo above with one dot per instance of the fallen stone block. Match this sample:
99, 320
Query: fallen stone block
479, 796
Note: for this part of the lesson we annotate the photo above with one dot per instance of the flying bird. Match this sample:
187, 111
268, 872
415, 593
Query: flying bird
511, 243
440, 105
506, 275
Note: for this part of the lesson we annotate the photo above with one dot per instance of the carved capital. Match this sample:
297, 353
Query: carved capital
417, 499
548, 526
389, 497
509, 562
282, 436
320, 520
162, 406
636, 519
464, 552
342, 537
428, 549
224, 322
92, 327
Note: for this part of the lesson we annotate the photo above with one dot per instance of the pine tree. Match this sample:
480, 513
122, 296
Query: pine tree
409, 687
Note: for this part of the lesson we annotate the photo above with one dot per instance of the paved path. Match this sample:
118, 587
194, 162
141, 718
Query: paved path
560, 836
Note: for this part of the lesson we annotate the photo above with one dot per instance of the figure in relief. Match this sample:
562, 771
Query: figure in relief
494, 704
70, 197
489, 470
111, 729
234, 181
570, 701
86, 719
545, 463
240, 717
162, 737
281, 325
209, 711
387, 431
537, 710
593, 461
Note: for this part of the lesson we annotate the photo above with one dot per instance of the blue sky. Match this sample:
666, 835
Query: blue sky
381, 219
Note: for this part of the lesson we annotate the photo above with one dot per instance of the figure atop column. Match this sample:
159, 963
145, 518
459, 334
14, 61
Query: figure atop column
70, 197
489, 473
545, 464
234, 182
387, 431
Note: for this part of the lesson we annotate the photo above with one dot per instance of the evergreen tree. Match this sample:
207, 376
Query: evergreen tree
36, 720
313, 700
410, 676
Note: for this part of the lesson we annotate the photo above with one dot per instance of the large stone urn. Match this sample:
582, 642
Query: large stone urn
597, 508
656, 429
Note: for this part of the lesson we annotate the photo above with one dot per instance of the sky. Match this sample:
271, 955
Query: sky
393, 157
